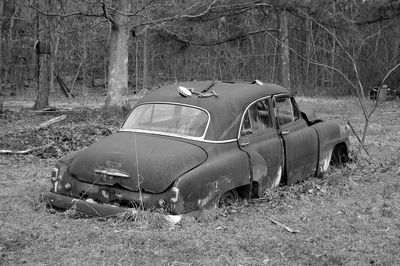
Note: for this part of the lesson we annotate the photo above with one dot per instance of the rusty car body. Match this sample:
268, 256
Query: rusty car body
193, 145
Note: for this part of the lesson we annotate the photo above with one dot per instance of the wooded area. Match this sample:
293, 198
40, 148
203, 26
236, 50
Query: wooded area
118, 47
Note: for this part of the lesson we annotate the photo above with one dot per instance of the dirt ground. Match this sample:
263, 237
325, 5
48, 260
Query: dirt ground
350, 217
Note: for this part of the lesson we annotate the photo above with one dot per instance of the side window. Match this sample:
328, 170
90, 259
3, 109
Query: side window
257, 118
296, 110
246, 126
286, 110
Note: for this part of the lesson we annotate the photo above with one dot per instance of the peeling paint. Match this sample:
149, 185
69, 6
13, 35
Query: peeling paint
204, 201
278, 177
221, 184
324, 163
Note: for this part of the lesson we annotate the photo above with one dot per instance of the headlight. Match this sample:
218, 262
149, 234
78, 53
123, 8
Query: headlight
344, 130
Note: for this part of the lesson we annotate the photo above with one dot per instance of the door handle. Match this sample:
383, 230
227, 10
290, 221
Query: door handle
285, 132
242, 144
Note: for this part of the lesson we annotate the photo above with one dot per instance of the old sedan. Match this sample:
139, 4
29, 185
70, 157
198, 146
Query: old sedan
195, 145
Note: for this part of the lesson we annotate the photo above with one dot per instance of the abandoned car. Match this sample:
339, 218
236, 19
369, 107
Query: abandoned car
385, 93
194, 145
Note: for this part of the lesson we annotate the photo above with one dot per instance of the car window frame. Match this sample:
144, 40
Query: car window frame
295, 110
267, 100
201, 138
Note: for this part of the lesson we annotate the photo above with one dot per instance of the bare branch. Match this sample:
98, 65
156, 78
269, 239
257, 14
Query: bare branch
359, 90
214, 43
318, 63
63, 15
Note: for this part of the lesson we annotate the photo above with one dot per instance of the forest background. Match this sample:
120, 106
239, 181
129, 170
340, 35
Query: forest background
119, 47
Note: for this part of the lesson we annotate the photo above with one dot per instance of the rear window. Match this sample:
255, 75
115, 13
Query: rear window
168, 118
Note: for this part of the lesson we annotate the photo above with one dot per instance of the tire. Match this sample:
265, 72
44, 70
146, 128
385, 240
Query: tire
228, 198
339, 156
336, 157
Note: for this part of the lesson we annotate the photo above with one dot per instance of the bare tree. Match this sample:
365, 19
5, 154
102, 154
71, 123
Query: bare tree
284, 47
1, 45
118, 54
42, 48
351, 55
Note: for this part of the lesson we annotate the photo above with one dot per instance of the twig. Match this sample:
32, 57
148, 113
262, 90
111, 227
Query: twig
358, 138
26, 151
284, 226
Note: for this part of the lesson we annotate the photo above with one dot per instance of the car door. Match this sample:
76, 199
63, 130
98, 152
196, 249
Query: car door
300, 140
259, 138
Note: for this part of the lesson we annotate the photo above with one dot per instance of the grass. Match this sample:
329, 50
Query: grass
350, 217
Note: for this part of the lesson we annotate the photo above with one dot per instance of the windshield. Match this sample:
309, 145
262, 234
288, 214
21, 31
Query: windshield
168, 118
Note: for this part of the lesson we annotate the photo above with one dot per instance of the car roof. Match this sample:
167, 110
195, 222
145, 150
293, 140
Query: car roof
226, 109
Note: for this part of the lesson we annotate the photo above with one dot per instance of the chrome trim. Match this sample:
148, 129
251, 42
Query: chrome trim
220, 141
111, 172
177, 136
181, 104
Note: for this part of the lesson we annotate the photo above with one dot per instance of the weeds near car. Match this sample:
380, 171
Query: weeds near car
143, 219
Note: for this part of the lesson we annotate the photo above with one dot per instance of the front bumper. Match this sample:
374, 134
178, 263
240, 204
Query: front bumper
96, 209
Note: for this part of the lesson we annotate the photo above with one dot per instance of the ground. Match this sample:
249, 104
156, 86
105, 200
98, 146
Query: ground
351, 216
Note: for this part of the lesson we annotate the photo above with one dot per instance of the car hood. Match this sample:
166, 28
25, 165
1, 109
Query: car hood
136, 160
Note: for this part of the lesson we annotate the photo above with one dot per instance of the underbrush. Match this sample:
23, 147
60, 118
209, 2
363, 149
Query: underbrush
81, 128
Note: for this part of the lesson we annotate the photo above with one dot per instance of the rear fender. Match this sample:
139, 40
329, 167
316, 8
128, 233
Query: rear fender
262, 175
203, 186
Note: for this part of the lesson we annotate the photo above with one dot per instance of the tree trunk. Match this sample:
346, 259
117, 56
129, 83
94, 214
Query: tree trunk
284, 45
1, 45
55, 40
145, 60
117, 88
333, 51
136, 65
309, 33
43, 60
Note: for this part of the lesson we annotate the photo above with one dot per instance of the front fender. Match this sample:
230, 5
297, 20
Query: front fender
330, 133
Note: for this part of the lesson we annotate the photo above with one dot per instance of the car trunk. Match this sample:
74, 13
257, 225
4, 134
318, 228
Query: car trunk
136, 161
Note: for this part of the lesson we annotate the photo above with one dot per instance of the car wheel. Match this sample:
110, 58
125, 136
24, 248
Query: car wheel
228, 198
336, 157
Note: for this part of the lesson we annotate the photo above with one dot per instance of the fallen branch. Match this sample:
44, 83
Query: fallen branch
26, 151
284, 226
51, 121
1, 103
64, 88
358, 138
389, 113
